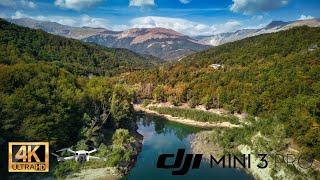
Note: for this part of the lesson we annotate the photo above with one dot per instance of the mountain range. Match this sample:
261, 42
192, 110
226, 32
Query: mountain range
159, 42
21, 45
162, 43
274, 26
165, 44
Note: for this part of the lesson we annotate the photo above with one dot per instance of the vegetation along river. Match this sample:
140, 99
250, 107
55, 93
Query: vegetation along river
162, 136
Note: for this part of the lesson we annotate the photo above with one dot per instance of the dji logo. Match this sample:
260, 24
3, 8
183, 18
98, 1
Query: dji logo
178, 162
230, 161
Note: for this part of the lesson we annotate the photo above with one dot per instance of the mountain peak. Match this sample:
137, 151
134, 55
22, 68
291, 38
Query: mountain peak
163, 43
151, 31
275, 24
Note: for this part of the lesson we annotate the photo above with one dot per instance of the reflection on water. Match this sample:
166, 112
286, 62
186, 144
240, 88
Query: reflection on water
161, 126
162, 136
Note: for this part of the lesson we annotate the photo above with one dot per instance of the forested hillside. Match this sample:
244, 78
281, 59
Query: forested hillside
272, 76
24, 45
45, 95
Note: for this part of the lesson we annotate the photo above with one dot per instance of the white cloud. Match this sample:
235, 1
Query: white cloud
18, 15
141, 3
76, 4
254, 6
229, 26
305, 17
79, 21
185, 1
18, 4
184, 26
177, 24
29, 4
93, 22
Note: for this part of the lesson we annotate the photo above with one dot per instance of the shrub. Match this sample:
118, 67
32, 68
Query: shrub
193, 102
146, 102
121, 137
65, 168
173, 100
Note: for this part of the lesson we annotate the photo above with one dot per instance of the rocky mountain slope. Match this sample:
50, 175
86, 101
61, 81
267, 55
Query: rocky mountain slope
24, 45
159, 42
162, 43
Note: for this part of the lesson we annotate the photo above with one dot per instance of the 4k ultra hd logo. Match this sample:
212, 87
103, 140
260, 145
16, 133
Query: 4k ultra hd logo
28, 157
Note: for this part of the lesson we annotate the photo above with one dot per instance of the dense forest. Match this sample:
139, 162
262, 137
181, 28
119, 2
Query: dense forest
23, 45
41, 101
269, 76
46, 93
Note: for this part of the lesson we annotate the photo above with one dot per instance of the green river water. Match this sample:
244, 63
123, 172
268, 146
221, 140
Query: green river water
161, 136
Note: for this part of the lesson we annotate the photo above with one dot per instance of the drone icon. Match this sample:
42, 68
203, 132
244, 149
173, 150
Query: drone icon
80, 156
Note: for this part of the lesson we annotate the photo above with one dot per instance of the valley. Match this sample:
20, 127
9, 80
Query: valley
161, 43
75, 91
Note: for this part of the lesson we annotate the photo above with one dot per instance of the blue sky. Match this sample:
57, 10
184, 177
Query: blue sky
191, 17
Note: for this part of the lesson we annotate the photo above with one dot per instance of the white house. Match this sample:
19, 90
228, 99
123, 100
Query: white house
313, 47
216, 66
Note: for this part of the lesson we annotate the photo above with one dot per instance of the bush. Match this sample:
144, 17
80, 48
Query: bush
65, 168
121, 137
173, 100
146, 102
81, 145
193, 102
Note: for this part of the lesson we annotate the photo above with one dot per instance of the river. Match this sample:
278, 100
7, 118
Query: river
162, 136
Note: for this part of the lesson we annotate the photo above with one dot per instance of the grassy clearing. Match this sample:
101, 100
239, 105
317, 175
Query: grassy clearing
195, 114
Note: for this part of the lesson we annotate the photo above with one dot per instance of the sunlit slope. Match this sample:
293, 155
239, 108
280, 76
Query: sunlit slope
270, 76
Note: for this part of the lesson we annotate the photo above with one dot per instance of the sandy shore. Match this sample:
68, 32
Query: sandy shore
187, 121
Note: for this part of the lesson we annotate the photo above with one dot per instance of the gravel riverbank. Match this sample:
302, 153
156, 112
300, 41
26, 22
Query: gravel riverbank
187, 121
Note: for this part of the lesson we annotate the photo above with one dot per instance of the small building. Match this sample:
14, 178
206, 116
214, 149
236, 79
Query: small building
313, 47
216, 66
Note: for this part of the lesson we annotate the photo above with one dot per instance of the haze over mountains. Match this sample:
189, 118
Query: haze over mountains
162, 43
274, 26
58, 29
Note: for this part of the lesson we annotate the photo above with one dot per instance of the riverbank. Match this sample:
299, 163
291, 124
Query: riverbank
208, 143
202, 143
191, 122
112, 173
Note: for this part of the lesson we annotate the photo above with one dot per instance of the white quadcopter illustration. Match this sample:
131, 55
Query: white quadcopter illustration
79, 156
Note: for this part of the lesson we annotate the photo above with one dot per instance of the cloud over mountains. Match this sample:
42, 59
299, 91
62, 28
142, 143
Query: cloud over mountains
256, 6
141, 3
76, 4
18, 4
